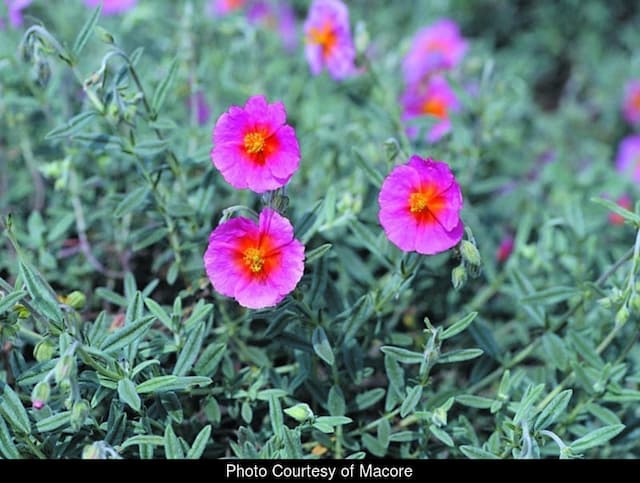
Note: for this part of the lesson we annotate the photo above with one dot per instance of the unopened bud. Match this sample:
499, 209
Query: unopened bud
361, 37
40, 395
300, 412
458, 277
622, 316
439, 417
635, 302
605, 303
79, 413
470, 253
76, 300
22, 311
105, 36
43, 351
64, 367
92, 452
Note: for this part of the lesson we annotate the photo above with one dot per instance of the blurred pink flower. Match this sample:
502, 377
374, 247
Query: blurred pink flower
435, 48
631, 103
254, 148
278, 16
257, 264
112, 7
328, 39
224, 7
420, 204
15, 8
199, 101
628, 157
504, 250
435, 99
625, 202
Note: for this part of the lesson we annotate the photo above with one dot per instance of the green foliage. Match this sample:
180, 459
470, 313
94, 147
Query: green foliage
108, 195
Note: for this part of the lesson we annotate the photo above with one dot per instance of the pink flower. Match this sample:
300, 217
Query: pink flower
625, 202
435, 48
628, 158
254, 148
631, 103
257, 264
328, 39
435, 99
420, 205
504, 250
112, 7
15, 8
224, 7
277, 16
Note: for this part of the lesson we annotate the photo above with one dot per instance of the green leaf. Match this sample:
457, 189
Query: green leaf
373, 445
189, 351
210, 358
333, 420
292, 444
475, 401
7, 446
603, 414
155, 308
458, 326
335, 402
111, 296
553, 410
143, 439
72, 126
596, 438
54, 422
199, 444
555, 350
171, 383
86, 31
275, 415
384, 432
585, 348
475, 453
551, 295
13, 411
317, 253
42, 298
199, 312
133, 201
374, 176
161, 92
8, 301
59, 229
172, 446
368, 398
414, 395
128, 334
150, 147
403, 355
442, 435
616, 208
127, 393
459, 355
321, 345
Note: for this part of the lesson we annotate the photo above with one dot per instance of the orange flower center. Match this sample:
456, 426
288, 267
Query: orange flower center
425, 203
254, 142
418, 202
434, 45
234, 4
435, 107
254, 259
635, 100
325, 37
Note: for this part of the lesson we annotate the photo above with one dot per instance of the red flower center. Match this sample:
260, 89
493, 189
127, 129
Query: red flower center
254, 259
259, 145
635, 100
257, 258
254, 142
425, 204
435, 107
435, 45
234, 4
325, 37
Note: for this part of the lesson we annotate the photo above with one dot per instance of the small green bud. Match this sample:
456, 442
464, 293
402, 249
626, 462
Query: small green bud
439, 417
458, 277
622, 316
64, 367
605, 303
635, 303
105, 36
76, 300
79, 413
470, 253
361, 37
22, 311
43, 351
40, 394
92, 452
300, 412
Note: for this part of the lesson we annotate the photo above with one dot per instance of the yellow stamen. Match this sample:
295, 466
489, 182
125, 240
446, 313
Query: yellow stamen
418, 202
254, 142
254, 259
324, 37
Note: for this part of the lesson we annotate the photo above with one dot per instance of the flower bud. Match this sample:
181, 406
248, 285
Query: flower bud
470, 253
605, 303
22, 311
361, 37
635, 303
622, 316
300, 412
92, 452
76, 300
458, 277
40, 395
64, 367
79, 413
43, 351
